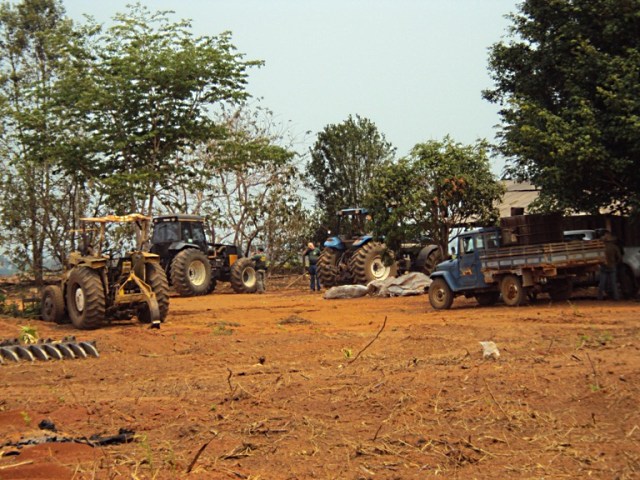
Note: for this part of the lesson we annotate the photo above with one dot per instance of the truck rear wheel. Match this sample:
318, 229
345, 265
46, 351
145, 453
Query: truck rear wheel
513, 293
190, 273
52, 304
243, 276
85, 298
327, 267
440, 295
372, 262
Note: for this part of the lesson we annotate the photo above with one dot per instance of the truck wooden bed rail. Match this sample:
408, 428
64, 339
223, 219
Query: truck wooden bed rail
559, 255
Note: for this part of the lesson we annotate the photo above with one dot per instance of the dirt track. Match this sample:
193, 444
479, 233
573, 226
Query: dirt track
288, 385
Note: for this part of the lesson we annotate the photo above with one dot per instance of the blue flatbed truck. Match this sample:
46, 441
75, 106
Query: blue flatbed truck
486, 269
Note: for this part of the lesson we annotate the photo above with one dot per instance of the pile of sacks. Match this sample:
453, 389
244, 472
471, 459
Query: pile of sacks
413, 283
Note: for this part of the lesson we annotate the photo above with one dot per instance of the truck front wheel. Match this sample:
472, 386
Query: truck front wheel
513, 293
440, 295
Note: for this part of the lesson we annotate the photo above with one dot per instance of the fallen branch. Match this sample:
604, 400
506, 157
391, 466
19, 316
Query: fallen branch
195, 459
26, 462
496, 401
369, 344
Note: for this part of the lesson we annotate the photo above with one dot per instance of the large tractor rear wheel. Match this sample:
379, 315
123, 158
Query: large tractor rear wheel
52, 304
372, 262
191, 273
433, 259
327, 267
243, 276
85, 298
157, 280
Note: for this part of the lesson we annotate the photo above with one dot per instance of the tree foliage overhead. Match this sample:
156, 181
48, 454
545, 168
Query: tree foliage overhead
149, 94
568, 81
343, 160
439, 186
37, 201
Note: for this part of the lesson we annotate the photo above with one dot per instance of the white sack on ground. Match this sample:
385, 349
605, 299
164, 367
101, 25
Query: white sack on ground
346, 291
412, 283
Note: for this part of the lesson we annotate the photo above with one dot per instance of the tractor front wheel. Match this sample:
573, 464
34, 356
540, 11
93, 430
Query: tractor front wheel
191, 273
85, 298
157, 280
52, 304
243, 276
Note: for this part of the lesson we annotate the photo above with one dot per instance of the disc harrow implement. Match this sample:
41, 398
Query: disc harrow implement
13, 350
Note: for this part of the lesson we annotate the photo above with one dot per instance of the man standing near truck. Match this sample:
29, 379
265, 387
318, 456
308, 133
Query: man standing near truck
608, 270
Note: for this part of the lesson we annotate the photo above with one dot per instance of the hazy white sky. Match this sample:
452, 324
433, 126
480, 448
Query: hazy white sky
416, 68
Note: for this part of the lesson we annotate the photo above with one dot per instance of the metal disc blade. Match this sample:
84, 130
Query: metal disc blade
77, 350
39, 352
9, 354
66, 351
52, 351
24, 353
90, 349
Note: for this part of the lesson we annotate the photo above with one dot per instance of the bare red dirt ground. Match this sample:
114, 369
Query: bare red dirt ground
287, 385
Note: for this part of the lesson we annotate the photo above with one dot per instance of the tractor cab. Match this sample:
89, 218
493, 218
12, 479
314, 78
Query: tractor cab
352, 225
173, 233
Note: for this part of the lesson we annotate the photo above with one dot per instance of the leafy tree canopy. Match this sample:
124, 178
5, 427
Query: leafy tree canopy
441, 185
343, 159
568, 81
149, 94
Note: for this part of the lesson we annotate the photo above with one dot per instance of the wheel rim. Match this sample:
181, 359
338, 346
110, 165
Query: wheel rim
79, 299
47, 307
512, 291
379, 270
249, 277
197, 273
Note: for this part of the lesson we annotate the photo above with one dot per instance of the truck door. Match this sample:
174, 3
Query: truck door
468, 261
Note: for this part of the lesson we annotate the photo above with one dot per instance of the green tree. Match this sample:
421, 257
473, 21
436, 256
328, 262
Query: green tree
37, 201
567, 80
343, 160
148, 95
441, 185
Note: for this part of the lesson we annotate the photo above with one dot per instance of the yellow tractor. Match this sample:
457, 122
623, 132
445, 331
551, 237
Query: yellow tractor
100, 285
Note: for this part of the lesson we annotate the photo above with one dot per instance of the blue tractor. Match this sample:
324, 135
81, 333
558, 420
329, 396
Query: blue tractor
353, 256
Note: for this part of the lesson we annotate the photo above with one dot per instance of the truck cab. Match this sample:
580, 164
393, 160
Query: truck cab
465, 270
